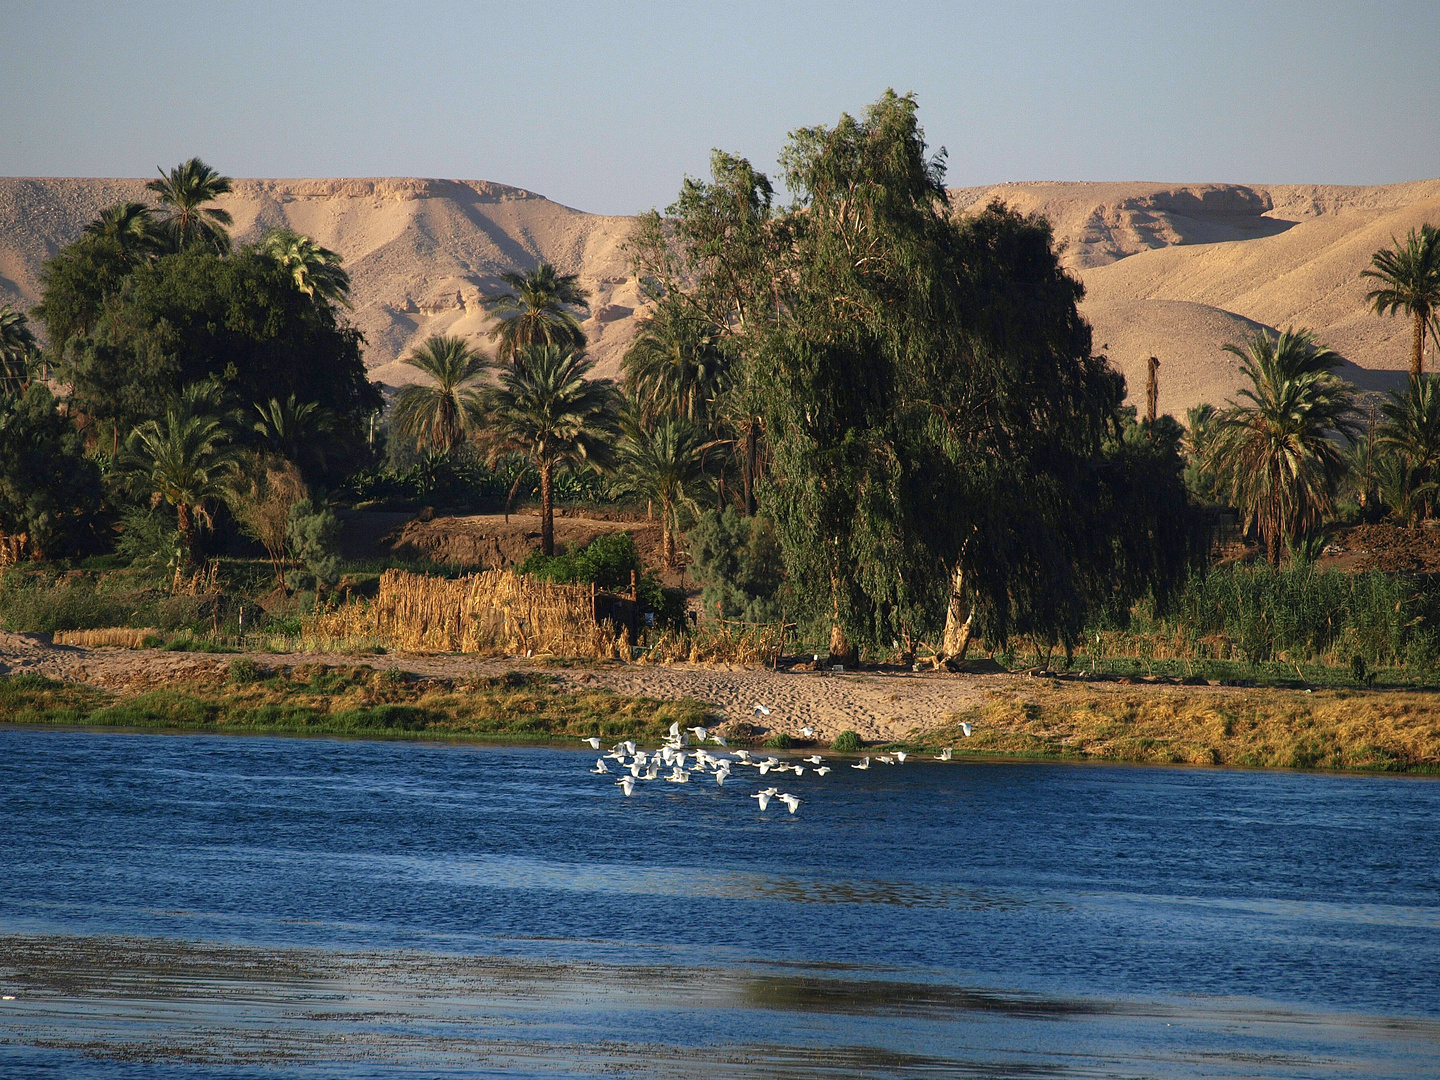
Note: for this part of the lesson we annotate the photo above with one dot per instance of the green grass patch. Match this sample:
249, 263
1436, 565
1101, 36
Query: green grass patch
356, 700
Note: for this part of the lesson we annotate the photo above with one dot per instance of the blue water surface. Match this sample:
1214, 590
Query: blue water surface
479, 910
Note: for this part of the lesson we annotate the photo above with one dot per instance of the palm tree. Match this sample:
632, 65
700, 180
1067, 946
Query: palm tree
675, 367
316, 269
546, 409
17, 348
1279, 452
439, 416
187, 460
664, 462
131, 227
537, 311
1410, 277
1412, 431
294, 429
186, 190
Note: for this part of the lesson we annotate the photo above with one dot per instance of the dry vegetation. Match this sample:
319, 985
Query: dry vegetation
1335, 729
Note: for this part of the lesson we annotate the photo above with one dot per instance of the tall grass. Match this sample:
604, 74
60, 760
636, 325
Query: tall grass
1297, 613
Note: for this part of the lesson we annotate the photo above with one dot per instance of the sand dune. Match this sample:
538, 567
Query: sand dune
1173, 270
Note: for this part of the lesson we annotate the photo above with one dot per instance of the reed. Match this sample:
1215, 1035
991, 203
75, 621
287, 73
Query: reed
726, 643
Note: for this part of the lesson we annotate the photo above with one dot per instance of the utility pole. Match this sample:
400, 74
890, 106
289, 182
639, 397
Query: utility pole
1152, 393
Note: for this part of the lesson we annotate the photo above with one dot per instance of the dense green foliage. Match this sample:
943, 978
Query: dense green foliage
610, 562
49, 491
738, 562
935, 423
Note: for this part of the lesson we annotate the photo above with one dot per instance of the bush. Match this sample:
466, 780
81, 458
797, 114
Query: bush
607, 562
779, 741
244, 670
314, 536
846, 742
738, 561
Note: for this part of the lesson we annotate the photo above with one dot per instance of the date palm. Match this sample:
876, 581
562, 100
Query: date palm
664, 461
1409, 274
185, 191
675, 367
294, 429
537, 311
440, 414
548, 410
1411, 431
131, 227
315, 269
17, 350
187, 459
1278, 449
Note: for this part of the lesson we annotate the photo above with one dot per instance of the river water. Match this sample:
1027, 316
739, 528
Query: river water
199, 906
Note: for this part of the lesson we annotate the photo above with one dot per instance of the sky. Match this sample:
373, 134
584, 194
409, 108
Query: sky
607, 106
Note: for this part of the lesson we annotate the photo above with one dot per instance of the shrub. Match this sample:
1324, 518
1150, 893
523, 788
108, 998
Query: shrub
779, 741
244, 670
846, 742
737, 560
313, 534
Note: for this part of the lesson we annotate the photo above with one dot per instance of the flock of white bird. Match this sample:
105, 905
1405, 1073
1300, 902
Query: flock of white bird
636, 766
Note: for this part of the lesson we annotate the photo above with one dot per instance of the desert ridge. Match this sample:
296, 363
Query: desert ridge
1171, 270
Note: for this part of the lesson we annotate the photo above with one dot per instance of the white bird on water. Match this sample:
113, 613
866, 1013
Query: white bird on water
814, 759
791, 801
808, 732
599, 766
594, 743
700, 733
944, 755
822, 770
864, 764
764, 797
678, 776
628, 783
900, 756
887, 759
721, 740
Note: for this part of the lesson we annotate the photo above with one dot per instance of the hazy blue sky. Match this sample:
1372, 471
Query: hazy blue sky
605, 106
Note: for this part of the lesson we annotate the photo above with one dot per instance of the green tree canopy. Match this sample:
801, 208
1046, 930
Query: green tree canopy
537, 311
1411, 431
934, 417
439, 415
548, 410
1278, 446
316, 270
17, 349
186, 458
664, 462
185, 192
195, 316
49, 491
1409, 276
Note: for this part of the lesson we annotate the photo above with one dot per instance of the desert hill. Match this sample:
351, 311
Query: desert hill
1174, 270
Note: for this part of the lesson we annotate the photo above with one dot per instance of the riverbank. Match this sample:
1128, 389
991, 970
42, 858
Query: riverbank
1009, 715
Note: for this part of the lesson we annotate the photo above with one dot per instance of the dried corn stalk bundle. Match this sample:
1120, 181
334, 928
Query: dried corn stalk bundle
125, 637
496, 611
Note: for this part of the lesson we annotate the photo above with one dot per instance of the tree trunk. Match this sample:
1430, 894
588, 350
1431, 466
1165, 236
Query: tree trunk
959, 619
667, 534
185, 528
547, 508
1417, 347
747, 467
841, 650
